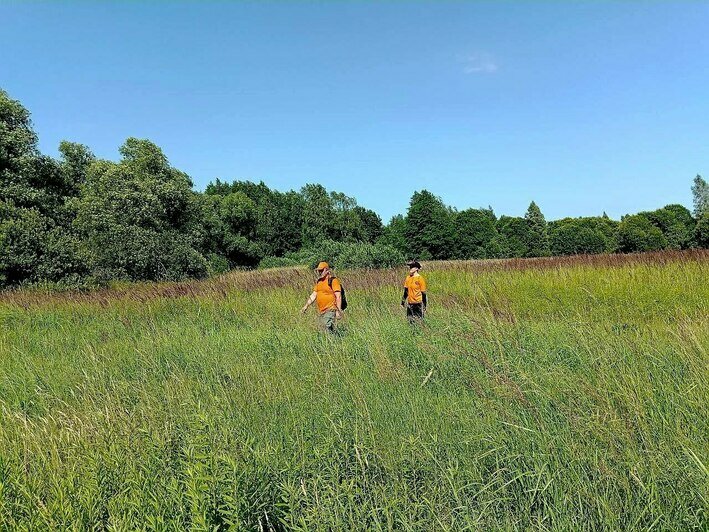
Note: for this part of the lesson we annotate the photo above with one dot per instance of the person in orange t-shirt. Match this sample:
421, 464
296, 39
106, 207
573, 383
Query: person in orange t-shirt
327, 292
414, 298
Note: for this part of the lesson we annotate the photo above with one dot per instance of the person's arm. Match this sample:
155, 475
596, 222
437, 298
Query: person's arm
423, 293
309, 302
337, 292
338, 303
406, 295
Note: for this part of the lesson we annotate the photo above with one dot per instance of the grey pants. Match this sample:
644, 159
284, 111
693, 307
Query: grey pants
327, 320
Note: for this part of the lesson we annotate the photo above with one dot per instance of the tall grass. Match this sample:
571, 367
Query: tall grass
544, 395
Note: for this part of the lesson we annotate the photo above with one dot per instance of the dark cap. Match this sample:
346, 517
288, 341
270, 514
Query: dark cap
414, 264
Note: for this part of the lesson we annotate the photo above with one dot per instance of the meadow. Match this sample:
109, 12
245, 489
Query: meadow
545, 394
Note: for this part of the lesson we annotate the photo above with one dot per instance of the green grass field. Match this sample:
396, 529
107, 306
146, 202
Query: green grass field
544, 394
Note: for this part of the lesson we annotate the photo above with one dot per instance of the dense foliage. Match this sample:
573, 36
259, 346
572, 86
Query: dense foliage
343, 254
80, 220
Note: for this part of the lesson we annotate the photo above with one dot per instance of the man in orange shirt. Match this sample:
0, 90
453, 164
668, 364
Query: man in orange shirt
414, 298
328, 294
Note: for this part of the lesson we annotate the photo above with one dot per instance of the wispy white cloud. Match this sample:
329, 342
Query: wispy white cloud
479, 63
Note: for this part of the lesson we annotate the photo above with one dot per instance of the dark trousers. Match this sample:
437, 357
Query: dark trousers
414, 311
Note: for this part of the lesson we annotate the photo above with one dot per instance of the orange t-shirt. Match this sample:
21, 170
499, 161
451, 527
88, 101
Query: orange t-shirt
325, 296
416, 286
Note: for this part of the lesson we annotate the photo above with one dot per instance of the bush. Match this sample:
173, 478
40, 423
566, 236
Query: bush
217, 264
363, 255
291, 259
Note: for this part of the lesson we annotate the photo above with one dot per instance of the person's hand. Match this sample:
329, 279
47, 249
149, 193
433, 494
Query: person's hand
402, 303
338, 314
302, 311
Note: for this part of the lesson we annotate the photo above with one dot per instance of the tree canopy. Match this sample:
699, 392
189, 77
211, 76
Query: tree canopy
79, 220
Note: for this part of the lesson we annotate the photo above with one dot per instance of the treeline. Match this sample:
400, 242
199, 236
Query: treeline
431, 230
79, 220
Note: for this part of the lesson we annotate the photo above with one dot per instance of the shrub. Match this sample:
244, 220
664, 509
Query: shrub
291, 259
217, 264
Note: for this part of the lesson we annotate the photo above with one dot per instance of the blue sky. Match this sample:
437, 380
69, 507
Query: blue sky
582, 107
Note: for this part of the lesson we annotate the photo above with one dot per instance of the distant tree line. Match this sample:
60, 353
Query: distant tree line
431, 230
81, 220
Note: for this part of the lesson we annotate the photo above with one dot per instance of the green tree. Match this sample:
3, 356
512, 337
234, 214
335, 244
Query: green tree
139, 217
429, 227
371, 224
538, 243
34, 213
394, 235
218, 188
74, 165
18, 141
636, 233
285, 222
475, 232
239, 213
33, 249
27, 178
228, 225
701, 231
700, 195
348, 226
573, 236
676, 223
279, 216
514, 236
279, 228
257, 192
319, 217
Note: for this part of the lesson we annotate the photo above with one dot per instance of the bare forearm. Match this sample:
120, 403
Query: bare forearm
310, 301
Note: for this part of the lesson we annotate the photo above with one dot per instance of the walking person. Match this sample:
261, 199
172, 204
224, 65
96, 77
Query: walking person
327, 292
414, 298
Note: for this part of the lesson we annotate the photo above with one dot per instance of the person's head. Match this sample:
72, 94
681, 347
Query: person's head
414, 266
322, 269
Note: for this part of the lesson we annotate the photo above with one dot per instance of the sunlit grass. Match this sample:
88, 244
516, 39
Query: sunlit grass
561, 396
